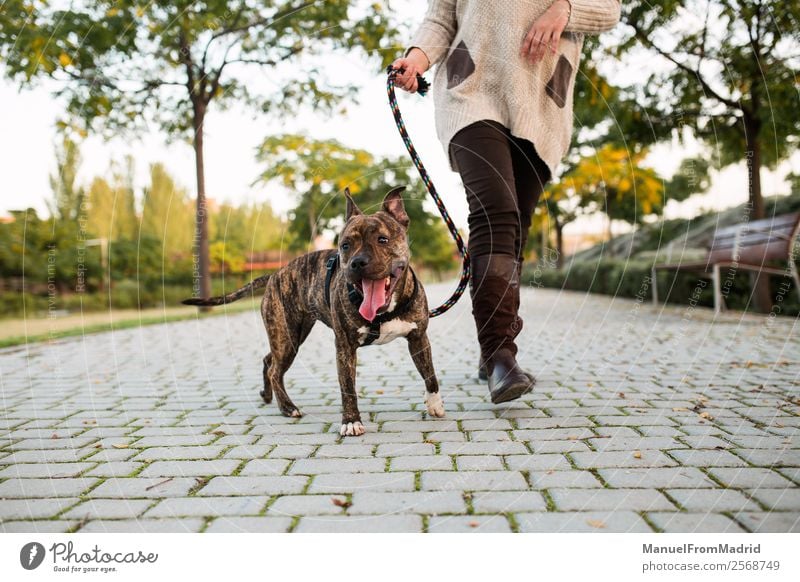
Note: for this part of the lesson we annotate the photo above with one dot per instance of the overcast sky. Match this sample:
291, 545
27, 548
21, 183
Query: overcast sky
27, 148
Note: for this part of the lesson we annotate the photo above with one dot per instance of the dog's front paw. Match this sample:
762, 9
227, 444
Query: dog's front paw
352, 429
434, 404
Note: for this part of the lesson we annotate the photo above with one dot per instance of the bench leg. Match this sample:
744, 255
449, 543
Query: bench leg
717, 290
795, 276
654, 283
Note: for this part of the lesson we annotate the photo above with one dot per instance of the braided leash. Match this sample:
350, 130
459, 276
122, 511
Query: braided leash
422, 89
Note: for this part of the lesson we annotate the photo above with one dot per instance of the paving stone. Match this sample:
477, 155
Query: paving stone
620, 521
609, 499
749, 477
546, 479
617, 459
317, 466
479, 463
703, 458
361, 524
42, 487
712, 500
537, 462
267, 485
208, 506
249, 524
265, 467
353, 482
296, 505
143, 526
677, 522
770, 522
140, 487
473, 481
40, 508
422, 463
508, 502
108, 509
114, 469
469, 524
779, 499
44, 470
180, 453
405, 449
49, 526
422, 502
189, 468
656, 478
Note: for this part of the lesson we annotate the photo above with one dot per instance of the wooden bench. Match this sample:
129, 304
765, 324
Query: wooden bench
751, 246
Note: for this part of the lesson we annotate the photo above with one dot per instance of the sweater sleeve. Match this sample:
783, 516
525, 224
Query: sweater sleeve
593, 16
437, 31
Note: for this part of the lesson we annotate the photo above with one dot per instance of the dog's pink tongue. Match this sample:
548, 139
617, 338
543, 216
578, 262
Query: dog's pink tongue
374, 298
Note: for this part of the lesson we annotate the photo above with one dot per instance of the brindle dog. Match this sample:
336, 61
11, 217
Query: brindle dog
366, 292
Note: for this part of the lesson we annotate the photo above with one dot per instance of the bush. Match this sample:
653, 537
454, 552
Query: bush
632, 279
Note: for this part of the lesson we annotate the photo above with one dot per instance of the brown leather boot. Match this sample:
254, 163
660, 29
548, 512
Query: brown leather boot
494, 287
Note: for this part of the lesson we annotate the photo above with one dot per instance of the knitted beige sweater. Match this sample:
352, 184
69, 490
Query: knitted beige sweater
484, 76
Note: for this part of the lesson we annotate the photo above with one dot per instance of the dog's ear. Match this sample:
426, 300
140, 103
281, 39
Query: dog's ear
352, 209
393, 205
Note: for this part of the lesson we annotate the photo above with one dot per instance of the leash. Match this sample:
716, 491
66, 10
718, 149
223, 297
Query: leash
422, 89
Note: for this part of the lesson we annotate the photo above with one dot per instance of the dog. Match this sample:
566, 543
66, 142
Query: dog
365, 291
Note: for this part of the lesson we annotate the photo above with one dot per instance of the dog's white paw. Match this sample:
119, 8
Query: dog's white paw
434, 404
352, 429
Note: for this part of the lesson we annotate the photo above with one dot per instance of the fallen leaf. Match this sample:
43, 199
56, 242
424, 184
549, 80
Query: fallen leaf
621, 394
572, 437
549, 472
473, 524
378, 391
706, 416
55, 436
98, 446
637, 454
120, 446
779, 425
341, 502
219, 432
680, 409
596, 523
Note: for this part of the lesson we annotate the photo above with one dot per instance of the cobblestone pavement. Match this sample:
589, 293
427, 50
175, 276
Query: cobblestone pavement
642, 420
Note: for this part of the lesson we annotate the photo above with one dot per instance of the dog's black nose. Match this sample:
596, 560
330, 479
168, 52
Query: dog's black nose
358, 263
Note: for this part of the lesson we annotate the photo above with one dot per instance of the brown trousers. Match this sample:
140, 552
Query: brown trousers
504, 178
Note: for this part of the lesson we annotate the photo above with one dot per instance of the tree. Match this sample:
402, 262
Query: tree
130, 63
613, 181
319, 172
166, 214
112, 210
67, 204
732, 70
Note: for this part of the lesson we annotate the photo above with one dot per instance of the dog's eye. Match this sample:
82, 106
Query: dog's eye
345, 247
383, 240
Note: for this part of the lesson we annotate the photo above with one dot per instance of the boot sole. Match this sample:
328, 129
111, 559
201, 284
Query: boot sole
513, 392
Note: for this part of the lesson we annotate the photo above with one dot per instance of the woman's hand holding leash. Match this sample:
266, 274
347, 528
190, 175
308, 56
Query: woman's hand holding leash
416, 63
546, 31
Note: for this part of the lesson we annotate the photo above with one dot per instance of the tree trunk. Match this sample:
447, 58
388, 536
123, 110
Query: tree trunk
762, 300
559, 244
201, 264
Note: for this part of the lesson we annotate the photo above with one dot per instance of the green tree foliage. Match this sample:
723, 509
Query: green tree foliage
727, 70
127, 63
166, 213
67, 203
319, 171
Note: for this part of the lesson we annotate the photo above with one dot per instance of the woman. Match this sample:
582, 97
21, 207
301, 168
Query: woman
503, 104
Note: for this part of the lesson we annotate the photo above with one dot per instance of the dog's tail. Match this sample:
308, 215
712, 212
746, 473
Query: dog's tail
230, 297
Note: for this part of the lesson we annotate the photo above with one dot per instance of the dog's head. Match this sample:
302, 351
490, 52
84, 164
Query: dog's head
373, 251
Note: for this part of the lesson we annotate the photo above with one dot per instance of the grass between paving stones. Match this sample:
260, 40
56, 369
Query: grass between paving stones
649, 521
